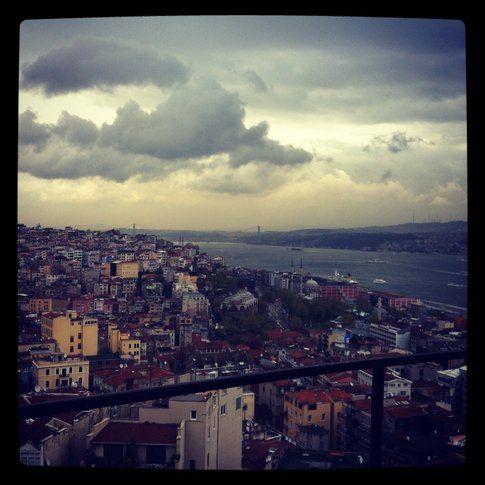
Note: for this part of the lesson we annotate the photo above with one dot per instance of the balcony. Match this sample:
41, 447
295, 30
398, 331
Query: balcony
156, 393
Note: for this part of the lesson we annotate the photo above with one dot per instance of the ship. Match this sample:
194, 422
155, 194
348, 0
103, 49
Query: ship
377, 260
342, 278
379, 281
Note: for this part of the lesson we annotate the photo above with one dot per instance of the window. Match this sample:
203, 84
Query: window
223, 410
79, 335
47, 383
309, 417
57, 371
80, 368
312, 407
193, 414
80, 380
47, 372
238, 403
79, 346
191, 464
71, 349
323, 416
71, 339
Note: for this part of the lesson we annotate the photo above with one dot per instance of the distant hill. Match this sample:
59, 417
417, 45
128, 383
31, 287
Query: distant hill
447, 237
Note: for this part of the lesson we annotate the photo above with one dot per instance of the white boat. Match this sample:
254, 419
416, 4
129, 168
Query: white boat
342, 278
377, 260
380, 281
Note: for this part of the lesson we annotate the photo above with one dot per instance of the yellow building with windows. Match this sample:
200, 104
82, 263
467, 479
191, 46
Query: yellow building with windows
122, 343
39, 305
314, 408
58, 372
74, 335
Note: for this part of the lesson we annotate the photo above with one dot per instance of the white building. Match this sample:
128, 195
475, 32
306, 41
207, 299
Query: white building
393, 337
394, 384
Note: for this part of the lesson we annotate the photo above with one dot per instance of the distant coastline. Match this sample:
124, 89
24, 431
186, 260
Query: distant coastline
431, 238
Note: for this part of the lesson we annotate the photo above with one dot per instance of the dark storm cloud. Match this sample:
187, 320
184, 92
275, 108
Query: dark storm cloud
386, 176
101, 63
395, 143
258, 84
76, 130
31, 132
199, 119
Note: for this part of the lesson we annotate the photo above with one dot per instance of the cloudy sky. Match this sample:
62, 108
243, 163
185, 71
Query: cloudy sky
230, 122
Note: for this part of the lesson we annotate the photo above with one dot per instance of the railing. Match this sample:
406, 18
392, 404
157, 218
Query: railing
140, 395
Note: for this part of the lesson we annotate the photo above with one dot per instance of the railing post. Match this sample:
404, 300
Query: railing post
376, 416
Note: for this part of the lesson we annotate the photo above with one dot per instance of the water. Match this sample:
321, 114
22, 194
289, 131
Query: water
425, 276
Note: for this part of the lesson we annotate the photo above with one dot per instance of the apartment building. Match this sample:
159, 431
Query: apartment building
213, 426
195, 303
393, 337
312, 416
74, 334
123, 343
56, 371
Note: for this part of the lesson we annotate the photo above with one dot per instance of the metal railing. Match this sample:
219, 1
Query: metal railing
378, 365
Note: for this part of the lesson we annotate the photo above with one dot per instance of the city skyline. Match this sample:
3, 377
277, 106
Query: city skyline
225, 123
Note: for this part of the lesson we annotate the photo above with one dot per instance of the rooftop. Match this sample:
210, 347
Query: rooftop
139, 433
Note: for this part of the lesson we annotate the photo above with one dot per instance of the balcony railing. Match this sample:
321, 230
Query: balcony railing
378, 365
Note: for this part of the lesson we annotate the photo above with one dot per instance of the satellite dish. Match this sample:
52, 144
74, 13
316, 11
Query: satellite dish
121, 366
65, 356
37, 388
74, 384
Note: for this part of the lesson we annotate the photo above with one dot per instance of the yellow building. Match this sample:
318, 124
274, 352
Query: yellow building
314, 408
53, 373
74, 335
121, 269
38, 305
122, 343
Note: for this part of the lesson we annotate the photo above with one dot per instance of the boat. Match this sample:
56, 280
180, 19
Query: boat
342, 278
456, 284
376, 260
379, 281
295, 249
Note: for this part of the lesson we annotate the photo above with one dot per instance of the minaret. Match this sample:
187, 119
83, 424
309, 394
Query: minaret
301, 277
292, 273
379, 309
133, 230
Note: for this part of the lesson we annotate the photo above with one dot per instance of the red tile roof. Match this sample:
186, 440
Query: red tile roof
139, 433
308, 396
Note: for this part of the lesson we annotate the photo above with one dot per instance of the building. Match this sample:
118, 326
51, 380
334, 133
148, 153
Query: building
122, 269
57, 371
394, 384
195, 303
242, 301
40, 304
140, 444
124, 344
306, 409
74, 335
453, 384
43, 442
184, 329
213, 426
392, 336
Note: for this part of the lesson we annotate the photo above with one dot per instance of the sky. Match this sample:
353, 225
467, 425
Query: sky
233, 122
